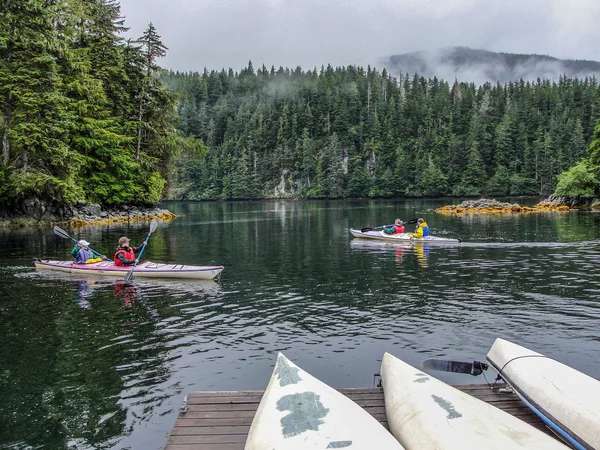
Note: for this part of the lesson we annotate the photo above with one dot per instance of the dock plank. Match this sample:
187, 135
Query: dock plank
220, 420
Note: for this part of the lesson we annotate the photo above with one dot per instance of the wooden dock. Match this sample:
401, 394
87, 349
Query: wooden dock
221, 420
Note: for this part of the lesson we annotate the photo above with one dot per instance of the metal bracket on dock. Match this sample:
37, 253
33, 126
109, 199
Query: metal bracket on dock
375, 382
183, 408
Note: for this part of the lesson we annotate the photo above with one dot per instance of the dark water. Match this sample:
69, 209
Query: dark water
85, 363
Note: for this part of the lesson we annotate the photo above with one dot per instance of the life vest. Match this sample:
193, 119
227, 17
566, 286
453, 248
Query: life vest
422, 230
399, 229
83, 256
394, 229
128, 253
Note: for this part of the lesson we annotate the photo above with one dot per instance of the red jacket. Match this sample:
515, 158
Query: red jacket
399, 229
124, 256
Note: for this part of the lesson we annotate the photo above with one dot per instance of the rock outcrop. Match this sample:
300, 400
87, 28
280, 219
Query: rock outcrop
38, 212
491, 206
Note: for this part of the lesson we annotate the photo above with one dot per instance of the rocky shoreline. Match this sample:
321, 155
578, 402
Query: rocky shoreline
492, 206
39, 213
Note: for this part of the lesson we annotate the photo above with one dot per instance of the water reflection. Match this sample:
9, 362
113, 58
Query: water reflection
84, 293
125, 292
113, 374
398, 250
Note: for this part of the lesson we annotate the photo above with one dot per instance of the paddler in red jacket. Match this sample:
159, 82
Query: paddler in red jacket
125, 255
398, 227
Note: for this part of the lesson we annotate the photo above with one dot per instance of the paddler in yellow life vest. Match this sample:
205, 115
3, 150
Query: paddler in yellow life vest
422, 229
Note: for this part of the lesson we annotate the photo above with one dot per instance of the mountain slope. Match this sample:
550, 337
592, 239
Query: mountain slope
479, 66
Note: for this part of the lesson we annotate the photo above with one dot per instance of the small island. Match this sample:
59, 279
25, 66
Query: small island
492, 206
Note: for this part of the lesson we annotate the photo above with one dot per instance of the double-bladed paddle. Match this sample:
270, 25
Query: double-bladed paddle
473, 368
364, 230
153, 226
63, 234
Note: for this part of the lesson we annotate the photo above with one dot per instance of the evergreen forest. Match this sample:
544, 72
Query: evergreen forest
354, 132
84, 118
88, 116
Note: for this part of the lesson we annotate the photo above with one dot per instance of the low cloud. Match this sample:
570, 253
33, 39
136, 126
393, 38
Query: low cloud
311, 33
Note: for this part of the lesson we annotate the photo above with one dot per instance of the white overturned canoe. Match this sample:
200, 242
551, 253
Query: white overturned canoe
567, 400
425, 413
401, 237
298, 411
144, 269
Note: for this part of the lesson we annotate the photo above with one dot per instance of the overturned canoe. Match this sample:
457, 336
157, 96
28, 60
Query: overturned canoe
401, 237
425, 413
567, 400
297, 411
144, 269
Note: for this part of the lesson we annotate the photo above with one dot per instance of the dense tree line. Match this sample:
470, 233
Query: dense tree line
354, 132
84, 117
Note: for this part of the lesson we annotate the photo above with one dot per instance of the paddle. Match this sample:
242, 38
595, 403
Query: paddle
63, 234
364, 230
153, 226
473, 368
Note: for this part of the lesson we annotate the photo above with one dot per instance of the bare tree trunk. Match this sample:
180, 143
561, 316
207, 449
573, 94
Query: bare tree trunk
5, 125
369, 100
139, 140
8, 107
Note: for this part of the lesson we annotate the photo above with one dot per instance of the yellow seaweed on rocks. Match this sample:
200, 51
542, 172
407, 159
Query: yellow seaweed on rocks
121, 219
484, 206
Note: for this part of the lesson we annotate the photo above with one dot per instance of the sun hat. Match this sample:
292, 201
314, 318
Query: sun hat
84, 242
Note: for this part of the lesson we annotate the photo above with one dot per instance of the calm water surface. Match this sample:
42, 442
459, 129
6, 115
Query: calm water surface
86, 363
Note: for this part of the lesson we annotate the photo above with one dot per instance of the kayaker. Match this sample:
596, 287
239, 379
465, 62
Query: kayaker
82, 253
398, 227
125, 255
422, 229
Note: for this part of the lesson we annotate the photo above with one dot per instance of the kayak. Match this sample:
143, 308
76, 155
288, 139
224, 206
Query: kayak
144, 269
401, 237
567, 400
426, 413
297, 411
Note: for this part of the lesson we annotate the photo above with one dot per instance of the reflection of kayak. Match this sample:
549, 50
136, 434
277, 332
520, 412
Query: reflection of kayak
567, 400
401, 237
426, 413
297, 411
144, 269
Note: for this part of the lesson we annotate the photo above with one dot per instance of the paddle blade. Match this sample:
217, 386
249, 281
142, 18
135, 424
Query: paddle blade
129, 276
62, 233
472, 368
153, 226
364, 230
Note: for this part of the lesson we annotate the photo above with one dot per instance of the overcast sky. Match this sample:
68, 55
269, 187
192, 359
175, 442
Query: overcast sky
309, 33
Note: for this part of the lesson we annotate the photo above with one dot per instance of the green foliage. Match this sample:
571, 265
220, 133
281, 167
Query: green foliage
580, 181
433, 182
500, 183
83, 116
26, 185
474, 177
595, 147
520, 185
